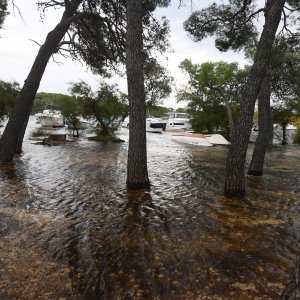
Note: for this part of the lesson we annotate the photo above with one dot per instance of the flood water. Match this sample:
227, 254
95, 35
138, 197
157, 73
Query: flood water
70, 230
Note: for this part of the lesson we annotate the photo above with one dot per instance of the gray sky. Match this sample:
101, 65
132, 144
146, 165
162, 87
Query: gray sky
17, 51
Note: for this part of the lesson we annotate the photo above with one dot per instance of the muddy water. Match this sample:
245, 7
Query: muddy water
70, 230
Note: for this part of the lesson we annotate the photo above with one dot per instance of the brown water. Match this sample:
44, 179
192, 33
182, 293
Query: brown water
70, 230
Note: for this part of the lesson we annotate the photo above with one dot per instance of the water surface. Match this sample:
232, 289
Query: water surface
69, 229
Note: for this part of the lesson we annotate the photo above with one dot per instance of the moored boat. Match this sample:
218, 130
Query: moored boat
178, 121
216, 139
50, 117
199, 139
82, 124
154, 125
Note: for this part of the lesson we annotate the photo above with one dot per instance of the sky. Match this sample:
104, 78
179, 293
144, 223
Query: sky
18, 51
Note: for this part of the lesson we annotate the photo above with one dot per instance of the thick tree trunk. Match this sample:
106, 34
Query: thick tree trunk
230, 119
137, 172
235, 168
104, 128
292, 289
284, 142
14, 130
21, 136
265, 126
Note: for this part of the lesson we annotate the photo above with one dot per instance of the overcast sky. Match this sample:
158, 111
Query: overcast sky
17, 51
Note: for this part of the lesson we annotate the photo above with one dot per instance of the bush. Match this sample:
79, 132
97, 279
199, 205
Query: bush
38, 132
297, 137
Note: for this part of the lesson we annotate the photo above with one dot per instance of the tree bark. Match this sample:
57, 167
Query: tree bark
292, 289
284, 142
235, 168
265, 126
137, 172
230, 120
14, 130
104, 128
21, 136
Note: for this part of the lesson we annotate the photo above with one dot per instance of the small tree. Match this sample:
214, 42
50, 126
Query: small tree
72, 110
107, 106
158, 83
9, 92
212, 91
283, 115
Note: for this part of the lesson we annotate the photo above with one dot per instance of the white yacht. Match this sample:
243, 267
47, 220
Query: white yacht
155, 125
291, 126
50, 117
178, 121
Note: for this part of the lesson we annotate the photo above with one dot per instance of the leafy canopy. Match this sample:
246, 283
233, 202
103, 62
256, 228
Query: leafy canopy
234, 25
211, 83
98, 33
212, 86
108, 106
9, 92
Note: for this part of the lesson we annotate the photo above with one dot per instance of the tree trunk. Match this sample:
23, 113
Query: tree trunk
230, 120
137, 172
21, 136
284, 142
235, 168
265, 126
14, 130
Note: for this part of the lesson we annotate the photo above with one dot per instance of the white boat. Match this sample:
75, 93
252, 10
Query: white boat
291, 127
155, 125
178, 121
85, 124
199, 139
82, 124
50, 117
216, 139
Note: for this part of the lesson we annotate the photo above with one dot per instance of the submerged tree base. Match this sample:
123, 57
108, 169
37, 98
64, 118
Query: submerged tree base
234, 191
255, 173
138, 185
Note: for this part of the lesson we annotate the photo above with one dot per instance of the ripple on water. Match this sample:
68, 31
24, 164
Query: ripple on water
76, 233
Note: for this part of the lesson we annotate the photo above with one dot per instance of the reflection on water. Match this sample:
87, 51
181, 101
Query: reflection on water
70, 230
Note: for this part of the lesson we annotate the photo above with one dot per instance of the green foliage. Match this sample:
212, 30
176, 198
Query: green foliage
287, 111
234, 25
157, 82
9, 92
41, 99
297, 137
157, 111
38, 132
212, 86
231, 24
212, 82
71, 109
108, 106
285, 61
99, 34
211, 120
